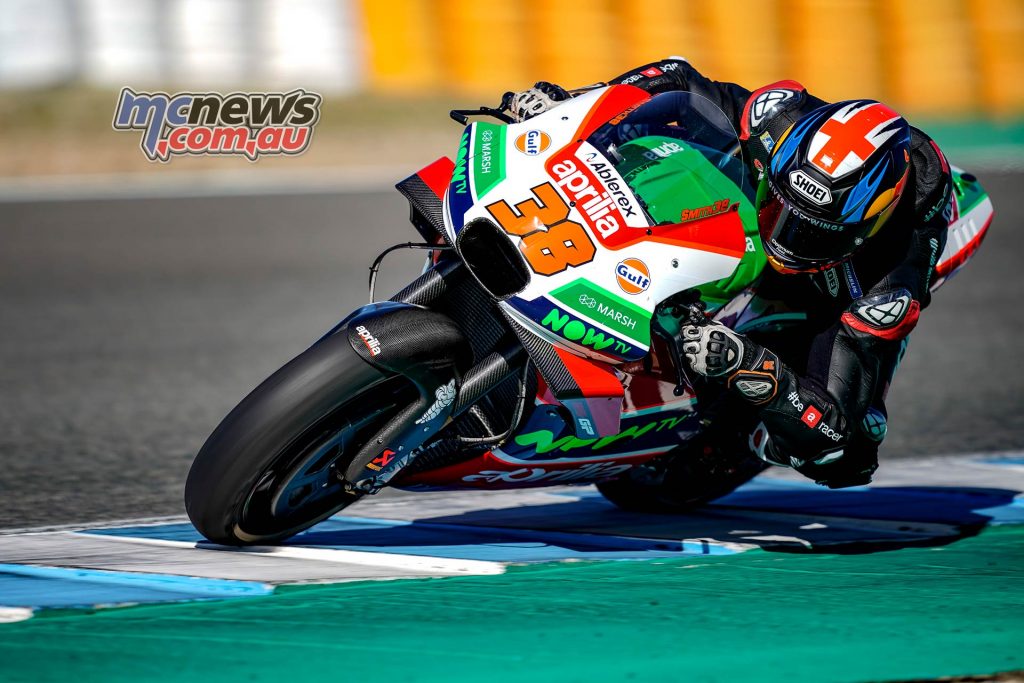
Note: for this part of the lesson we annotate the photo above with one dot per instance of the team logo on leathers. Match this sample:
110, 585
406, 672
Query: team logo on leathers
533, 142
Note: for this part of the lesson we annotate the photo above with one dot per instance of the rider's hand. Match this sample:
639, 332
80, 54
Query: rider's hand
712, 349
537, 100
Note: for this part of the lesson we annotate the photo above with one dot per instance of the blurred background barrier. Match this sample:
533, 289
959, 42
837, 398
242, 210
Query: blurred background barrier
947, 61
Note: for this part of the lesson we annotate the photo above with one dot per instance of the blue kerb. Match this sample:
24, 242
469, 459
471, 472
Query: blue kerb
31, 586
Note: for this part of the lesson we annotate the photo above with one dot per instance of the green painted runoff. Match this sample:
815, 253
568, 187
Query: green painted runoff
757, 616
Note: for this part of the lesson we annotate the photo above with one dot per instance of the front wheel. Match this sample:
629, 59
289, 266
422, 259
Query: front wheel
269, 470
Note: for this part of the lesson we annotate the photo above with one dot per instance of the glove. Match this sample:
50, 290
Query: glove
537, 100
712, 349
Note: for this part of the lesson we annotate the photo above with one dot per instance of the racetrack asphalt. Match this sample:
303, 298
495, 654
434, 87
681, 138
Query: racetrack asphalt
130, 327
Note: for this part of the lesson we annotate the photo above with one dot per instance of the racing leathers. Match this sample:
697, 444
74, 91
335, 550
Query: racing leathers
814, 392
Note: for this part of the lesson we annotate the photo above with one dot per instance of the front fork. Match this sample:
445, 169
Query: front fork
404, 337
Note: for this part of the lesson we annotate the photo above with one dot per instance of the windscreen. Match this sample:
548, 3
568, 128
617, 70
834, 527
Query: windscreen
680, 156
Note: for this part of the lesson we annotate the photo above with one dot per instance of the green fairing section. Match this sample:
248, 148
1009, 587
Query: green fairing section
610, 310
687, 180
968, 194
488, 157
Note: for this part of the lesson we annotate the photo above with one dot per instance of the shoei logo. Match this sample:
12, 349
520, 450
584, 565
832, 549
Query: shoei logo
246, 124
633, 276
533, 142
810, 188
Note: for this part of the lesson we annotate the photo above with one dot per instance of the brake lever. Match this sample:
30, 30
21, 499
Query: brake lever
462, 115
690, 312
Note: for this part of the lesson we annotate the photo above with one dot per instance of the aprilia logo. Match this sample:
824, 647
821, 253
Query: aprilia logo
810, 188
371, 342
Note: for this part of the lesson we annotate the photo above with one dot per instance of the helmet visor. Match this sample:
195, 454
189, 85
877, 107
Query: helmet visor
801, 242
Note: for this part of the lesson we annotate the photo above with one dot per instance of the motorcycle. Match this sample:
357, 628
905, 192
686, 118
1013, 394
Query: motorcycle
538, 347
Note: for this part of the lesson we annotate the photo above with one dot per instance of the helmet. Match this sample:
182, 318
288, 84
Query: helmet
833, 179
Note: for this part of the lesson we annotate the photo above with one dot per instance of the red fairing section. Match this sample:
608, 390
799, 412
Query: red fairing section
437, 175
615, 102
891, 333
780, 85
962, 256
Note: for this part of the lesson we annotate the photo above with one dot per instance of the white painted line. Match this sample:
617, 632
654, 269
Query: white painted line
9, 615
443, 565
82, 526
160, 184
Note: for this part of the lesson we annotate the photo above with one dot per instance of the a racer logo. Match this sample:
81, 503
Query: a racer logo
811, 416
533, 142
245, 124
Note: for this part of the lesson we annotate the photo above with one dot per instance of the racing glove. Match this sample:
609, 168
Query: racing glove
537, 100
713, 350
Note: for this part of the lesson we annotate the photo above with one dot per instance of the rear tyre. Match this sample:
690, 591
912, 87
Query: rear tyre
269, 469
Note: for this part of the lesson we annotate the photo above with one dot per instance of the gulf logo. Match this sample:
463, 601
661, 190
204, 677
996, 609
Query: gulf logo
633, 276
533, 142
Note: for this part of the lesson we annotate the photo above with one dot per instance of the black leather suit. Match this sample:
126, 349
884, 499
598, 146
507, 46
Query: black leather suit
832, 368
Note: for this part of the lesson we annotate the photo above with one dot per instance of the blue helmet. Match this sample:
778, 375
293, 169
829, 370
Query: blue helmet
833, 179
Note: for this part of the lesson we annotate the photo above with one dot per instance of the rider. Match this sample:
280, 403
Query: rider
853, 205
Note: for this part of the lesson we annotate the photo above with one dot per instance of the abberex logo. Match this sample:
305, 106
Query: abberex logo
809, 187
533, 142
633, 276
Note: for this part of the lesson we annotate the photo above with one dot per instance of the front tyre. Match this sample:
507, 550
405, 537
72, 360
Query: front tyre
269, 469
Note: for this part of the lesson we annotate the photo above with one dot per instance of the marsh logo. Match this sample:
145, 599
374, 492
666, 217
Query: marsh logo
809, 187
245, 124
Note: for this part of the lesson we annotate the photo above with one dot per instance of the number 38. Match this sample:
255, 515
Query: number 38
550, 241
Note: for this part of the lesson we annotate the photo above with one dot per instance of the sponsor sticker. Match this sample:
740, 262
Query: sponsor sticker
720, 206
809, 187
533, 142
633, 276
371, 342
382, 460
618, 315
811, 416
488, 157
444, 395
652, 72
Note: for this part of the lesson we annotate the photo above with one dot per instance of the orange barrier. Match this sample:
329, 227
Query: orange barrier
944, 57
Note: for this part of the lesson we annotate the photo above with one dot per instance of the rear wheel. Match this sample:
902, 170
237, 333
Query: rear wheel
270, 469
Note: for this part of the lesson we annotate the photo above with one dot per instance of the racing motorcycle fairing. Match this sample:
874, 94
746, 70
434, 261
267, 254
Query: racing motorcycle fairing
599, 262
